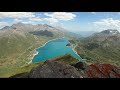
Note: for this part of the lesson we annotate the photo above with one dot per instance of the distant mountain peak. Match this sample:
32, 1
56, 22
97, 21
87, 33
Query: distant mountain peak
6, 27
46, 25
110, 31
111, 35
24, 28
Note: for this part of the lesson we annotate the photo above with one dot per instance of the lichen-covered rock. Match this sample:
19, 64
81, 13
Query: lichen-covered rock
102, 71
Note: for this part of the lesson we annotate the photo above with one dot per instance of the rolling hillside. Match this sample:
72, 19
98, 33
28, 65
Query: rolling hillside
18, 43
100, 48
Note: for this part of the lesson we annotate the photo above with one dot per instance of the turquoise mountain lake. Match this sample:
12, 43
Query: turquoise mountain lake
53, 49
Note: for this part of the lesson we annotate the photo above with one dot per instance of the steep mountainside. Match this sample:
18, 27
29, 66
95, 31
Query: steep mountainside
110, 35
18, 43
100, 48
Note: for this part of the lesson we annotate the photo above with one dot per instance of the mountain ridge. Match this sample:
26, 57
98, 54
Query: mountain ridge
18, 44
58, 68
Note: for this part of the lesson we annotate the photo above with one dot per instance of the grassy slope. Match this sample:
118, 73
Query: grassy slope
67, 59
102, 54
17, 51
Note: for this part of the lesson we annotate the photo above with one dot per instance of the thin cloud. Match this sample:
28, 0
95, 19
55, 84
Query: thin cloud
51, 20
16, 14
29, 22
3, 24
93, 12
108, 23
36, 19
63, 16
17, 20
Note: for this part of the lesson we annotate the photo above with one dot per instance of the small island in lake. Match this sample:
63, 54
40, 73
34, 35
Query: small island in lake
68, 44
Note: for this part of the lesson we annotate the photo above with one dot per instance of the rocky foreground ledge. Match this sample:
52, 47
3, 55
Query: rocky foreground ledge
55, 69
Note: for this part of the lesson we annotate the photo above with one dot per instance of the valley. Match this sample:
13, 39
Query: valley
17, 46
100, 48
19, 42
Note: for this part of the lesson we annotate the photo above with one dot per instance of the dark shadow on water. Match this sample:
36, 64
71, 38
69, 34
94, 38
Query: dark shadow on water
42, 33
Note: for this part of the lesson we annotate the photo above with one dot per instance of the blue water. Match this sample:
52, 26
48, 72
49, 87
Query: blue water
53, 49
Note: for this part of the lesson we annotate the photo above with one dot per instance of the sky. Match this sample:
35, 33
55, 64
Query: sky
72, 21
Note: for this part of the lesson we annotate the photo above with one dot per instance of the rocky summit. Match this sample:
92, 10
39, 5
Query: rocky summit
55, 69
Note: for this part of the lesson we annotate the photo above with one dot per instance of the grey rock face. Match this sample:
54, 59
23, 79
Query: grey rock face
54, 69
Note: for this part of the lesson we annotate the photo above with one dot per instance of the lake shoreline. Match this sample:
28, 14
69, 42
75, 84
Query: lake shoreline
49, 41
73, 48
42, 46
36, 53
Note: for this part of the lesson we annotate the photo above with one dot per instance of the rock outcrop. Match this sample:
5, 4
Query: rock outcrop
102, 71
55, 69
51, 69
